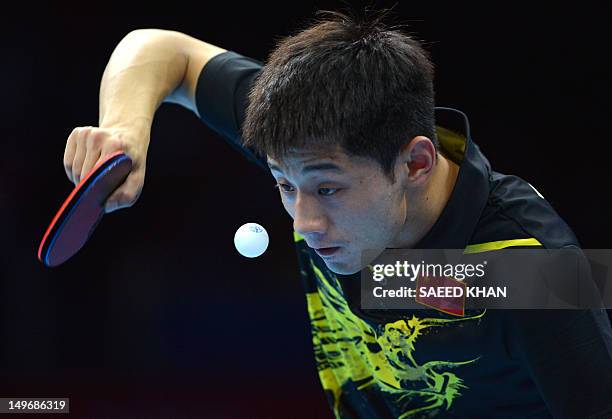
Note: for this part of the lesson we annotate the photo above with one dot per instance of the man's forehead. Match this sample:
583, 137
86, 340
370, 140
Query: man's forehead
310, 160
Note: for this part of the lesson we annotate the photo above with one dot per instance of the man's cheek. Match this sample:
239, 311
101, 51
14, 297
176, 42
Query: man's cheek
289, 208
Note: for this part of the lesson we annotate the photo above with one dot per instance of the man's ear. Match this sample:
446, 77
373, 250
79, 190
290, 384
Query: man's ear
417, 159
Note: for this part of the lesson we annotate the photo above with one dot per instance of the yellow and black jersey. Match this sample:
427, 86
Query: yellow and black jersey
426, 363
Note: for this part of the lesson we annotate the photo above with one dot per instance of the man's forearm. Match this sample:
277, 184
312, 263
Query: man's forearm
144, 69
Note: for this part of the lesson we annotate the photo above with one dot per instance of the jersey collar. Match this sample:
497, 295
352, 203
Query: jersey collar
459, 218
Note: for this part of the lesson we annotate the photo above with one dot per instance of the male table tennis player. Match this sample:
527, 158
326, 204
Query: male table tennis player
342, 115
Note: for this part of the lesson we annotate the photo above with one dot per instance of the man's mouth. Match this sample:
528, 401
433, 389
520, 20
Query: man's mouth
326, 251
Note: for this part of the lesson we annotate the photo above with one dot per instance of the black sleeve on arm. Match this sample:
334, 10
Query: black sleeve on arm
222, 98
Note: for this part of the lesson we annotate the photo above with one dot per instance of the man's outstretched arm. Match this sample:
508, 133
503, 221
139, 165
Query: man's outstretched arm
147, 67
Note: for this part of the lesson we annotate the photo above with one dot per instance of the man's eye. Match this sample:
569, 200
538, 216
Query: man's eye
327, 191
284, 187
322, 191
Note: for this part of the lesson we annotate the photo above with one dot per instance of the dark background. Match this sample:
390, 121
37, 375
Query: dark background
159, 316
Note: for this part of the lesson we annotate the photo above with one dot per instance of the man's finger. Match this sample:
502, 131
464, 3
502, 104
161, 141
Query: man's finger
126, 194
79, 155
69, 152
110, 146
92, 157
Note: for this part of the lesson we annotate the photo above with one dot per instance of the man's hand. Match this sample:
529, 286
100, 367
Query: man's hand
148, 67
86, 146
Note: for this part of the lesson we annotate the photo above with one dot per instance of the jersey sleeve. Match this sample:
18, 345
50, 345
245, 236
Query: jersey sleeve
222, 98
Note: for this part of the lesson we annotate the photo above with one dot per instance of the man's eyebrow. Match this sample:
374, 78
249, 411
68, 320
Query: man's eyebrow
311, 168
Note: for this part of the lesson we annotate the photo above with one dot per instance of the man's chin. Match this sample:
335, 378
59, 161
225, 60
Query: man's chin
343, 268
349, 265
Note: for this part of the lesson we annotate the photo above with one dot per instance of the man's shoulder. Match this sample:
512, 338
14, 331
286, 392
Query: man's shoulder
517, 212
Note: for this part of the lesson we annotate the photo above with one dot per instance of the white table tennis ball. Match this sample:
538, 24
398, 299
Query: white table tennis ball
251, 240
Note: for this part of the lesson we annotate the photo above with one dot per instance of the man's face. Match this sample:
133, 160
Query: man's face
341, 202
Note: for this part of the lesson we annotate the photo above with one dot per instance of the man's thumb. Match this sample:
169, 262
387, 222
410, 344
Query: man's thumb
125, 195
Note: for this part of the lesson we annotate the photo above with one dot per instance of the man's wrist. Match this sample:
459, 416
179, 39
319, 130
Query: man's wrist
138, 126
135, 130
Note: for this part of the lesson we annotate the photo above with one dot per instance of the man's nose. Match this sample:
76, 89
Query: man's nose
309, 217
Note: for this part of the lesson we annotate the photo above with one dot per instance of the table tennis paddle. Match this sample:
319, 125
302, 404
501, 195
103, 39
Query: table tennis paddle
83, 210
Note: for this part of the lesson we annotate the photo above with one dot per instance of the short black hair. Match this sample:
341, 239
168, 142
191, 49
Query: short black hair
343, 81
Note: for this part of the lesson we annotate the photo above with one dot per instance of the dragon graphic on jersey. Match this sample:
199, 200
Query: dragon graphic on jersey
353, 355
